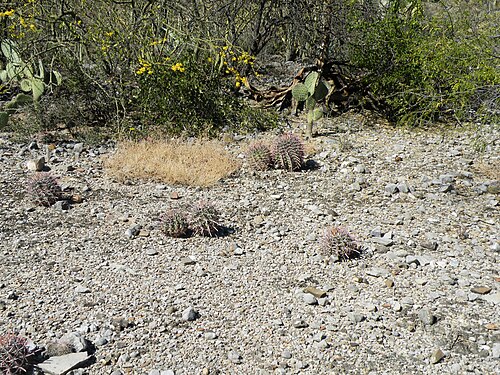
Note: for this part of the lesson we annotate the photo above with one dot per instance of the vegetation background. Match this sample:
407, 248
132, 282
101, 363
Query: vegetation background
138, 67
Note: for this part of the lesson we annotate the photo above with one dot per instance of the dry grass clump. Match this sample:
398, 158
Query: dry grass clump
489, 169
196, 163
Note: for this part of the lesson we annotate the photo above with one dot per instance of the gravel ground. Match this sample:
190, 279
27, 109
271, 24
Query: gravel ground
422, 299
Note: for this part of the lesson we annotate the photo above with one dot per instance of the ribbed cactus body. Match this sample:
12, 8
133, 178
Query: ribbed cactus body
338, 242
288, 152
259, 156
14, 354
44, 190
174, 224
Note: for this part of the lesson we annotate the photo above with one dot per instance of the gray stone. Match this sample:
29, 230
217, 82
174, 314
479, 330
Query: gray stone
82, 289
234, 357
384, 241
150, 251
391, 188
446, 188
360, 168
78, 148
431, 245
403, 187
188, 261
190, 314
210, 335
446, 179
493, 298
133, 231
426, 317
495, 351
300, 324
377, 272
64, 363
355, 318
36, 165
62, 205
437, 356
309, 299
286, 354
376, 232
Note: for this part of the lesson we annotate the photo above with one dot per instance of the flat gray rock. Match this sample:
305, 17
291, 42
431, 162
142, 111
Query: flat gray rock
63, 364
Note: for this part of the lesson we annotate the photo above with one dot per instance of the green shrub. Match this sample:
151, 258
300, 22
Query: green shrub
189, 96
426, 62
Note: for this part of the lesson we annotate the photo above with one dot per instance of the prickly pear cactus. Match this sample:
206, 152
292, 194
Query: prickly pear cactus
174, 224
338, 242
259, 156
288, 152
44, 190
205, 220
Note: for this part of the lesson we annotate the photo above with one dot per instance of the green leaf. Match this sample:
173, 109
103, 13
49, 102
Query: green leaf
25, 85
38, 88
41, 70
57, 77
3, 76
9, 50
317, 114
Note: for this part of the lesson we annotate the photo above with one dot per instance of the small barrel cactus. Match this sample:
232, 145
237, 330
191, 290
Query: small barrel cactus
338, 242
204, 220
14, 354
44, 189
174, 224
288, 152
259, 156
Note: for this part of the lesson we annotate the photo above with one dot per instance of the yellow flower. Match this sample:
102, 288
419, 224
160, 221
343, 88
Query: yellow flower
238, 84
178, 67
7, 13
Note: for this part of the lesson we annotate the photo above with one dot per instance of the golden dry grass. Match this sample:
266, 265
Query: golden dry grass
195, 163
489, 169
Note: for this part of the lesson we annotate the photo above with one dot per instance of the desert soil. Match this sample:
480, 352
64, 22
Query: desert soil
423, 298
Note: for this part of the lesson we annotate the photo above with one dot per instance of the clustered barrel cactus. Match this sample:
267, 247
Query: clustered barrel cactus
338, 242
14, 354
286, 152
43, 189
174, 224
201, 219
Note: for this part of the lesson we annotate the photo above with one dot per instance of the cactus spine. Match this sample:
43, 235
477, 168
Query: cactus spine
338, 242
174, 224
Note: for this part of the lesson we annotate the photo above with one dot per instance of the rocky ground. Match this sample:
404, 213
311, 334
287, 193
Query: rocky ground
422, 299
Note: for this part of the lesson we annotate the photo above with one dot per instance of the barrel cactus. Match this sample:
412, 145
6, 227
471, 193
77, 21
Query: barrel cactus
204, 219
288, 152
15, 354
259, 156
44, 189
174, 224
338, 242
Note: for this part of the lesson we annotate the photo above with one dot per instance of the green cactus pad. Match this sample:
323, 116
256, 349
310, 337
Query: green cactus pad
310, 82
4, 119
322, 90
314, 115
300, 92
